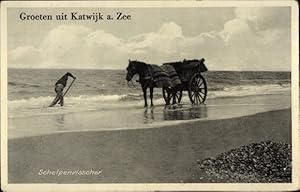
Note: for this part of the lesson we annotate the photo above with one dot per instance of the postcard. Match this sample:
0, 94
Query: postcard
149, 96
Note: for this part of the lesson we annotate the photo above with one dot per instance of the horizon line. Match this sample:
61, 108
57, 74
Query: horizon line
125, 69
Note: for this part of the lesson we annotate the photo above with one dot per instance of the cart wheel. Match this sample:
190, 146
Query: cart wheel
197, 89
176, 95
167, 95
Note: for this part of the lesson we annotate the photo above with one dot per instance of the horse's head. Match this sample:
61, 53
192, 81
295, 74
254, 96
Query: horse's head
131, 70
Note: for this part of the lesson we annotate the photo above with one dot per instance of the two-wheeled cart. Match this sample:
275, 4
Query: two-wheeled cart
192, 81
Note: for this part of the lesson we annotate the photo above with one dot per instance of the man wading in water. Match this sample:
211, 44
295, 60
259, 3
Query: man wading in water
59, 88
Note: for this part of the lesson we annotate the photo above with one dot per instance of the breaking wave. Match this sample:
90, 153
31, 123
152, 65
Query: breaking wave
233, 91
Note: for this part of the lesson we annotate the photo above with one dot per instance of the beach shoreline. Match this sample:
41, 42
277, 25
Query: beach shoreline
162, 155
123, 117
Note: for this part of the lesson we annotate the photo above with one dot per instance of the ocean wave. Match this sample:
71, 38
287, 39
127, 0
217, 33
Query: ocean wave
231, 91
38, 106
249, 90
77, 99
10, 83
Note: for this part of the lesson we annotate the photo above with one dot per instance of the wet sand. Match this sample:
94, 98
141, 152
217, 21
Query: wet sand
161, 155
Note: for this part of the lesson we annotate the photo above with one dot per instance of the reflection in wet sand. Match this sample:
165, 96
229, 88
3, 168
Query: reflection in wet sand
175, 113
148, 116
60, 120
195, 112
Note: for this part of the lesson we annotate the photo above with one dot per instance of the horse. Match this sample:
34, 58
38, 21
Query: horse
145, 77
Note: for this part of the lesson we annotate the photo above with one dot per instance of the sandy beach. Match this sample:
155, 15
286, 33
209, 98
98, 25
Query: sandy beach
163, 155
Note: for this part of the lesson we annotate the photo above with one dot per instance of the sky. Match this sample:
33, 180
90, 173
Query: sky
231, 38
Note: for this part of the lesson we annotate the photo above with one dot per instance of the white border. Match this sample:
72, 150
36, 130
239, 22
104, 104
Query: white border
3, 113
145, 186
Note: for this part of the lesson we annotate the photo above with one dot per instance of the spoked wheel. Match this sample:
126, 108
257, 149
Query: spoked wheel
168, 94
197, 89
176, 95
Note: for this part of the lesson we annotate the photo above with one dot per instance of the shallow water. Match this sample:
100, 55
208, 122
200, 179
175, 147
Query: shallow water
136, 117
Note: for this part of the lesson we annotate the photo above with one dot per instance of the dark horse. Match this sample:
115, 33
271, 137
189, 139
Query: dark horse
145, 77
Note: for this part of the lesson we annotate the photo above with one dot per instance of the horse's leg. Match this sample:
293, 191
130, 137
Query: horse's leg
151, 95
145, 96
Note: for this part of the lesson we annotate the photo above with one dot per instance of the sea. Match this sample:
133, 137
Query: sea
101, 100
30, 91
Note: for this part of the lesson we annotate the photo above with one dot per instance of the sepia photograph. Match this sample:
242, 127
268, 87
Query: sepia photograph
169, 95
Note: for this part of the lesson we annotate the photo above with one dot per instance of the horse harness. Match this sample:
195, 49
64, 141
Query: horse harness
148, 77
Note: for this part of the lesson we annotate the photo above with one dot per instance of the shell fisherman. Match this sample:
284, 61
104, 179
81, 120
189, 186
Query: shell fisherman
59, 88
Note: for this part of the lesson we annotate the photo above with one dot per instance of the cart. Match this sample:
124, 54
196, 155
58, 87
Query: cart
189, 72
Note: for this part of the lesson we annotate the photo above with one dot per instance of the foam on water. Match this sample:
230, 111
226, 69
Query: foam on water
36, 106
